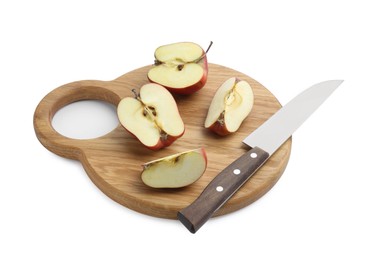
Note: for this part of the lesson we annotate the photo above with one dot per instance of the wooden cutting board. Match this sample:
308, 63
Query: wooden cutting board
113, 161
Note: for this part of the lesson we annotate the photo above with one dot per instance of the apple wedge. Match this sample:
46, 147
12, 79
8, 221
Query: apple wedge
231, 104
180, 67
176, 170
151, 116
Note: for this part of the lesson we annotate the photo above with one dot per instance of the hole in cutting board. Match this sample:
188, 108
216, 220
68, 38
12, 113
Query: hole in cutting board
85, 119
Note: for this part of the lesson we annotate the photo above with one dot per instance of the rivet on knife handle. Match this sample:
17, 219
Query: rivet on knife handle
221, 188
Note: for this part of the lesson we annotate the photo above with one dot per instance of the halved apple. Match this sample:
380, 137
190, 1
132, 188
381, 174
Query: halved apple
176, 170
152, 116
231, 104
180, 67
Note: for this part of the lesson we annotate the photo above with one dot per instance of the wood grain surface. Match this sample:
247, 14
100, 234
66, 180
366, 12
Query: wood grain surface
113, 161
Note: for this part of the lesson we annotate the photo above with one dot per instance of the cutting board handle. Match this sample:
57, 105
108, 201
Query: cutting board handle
108, 91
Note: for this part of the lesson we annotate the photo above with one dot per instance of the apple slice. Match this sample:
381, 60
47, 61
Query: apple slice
180, 67
176, 170
152, 116
231, 104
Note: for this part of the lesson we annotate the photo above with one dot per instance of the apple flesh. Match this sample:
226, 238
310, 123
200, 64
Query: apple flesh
175, 171
152, 116
180, 67
231, 104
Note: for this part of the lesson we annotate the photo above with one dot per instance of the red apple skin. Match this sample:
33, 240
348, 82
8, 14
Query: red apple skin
204, 155
193, 88
219, 128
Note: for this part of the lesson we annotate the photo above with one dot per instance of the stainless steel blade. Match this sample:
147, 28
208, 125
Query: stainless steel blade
279, 127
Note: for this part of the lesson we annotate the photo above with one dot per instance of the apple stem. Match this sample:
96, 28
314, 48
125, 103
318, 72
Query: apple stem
208, 48
204, 54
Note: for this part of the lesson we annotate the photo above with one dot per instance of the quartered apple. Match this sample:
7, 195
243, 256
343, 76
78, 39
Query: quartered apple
151, 116
180, 67
175, 171
231, 104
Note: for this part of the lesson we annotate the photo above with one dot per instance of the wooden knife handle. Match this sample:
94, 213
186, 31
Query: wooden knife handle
221, 188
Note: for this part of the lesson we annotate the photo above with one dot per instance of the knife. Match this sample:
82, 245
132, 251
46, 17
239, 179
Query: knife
264, 141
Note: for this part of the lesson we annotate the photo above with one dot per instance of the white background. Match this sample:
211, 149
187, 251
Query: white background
332, 201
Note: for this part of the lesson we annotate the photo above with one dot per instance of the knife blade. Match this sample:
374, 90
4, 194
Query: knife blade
264, 141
